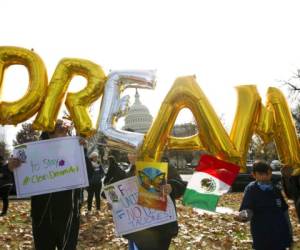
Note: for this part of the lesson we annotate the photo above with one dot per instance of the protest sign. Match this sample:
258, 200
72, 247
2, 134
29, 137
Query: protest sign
50, 166
151, 176
130, 217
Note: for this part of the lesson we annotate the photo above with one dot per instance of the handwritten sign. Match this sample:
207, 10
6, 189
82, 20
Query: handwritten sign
130, 217
50, 166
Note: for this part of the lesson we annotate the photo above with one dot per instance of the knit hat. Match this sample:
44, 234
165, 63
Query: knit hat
94, 154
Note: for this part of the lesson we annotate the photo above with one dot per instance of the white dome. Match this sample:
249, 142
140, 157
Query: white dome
138, 118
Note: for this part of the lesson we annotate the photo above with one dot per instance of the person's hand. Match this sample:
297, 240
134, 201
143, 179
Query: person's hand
165, 189
240, 219
241, 216
82, 142
237, 217
13, 163
286, 171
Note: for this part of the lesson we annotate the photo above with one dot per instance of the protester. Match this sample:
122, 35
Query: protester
95, 181
158, 237
291, 186
6, 183
265, 207
55, 216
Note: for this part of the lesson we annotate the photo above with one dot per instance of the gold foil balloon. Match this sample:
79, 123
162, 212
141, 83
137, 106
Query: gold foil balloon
285, 134
77, 103
265, 124
249, 103
186, 93
22, 109
185, 143
271, 122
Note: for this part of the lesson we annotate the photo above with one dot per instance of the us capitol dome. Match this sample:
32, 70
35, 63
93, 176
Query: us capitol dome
138, 118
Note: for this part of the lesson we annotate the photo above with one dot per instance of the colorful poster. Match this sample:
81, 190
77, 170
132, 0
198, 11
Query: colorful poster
130, 217
50, 166
151, 175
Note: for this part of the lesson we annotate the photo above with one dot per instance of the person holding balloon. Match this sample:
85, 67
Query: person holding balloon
158, 237
291, 186
55, 216
264, 206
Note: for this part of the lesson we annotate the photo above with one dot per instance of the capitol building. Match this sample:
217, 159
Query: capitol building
138, 118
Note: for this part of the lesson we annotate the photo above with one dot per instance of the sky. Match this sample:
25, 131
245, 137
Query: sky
224, 43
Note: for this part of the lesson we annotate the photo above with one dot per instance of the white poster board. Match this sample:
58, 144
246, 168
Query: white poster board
50, 166
130, 217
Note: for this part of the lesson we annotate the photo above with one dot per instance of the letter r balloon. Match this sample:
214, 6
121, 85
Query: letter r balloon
77, 103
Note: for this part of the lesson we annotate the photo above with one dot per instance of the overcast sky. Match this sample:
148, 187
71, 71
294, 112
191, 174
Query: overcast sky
224, 43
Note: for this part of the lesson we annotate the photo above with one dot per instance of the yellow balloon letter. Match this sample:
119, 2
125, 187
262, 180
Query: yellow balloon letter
185, 93
285, 134
22, 109
249, 104
77, 103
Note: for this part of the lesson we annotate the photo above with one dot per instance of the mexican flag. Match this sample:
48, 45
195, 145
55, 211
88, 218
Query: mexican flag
211, 179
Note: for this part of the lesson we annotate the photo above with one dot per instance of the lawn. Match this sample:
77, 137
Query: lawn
197, 230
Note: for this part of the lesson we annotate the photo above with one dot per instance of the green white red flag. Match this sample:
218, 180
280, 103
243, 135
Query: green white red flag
211, 179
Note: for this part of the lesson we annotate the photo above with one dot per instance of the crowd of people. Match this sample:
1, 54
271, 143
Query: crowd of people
56, 216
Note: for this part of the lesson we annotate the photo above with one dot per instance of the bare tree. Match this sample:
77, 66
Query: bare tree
293, 85
296, 116
260, 150
26, 134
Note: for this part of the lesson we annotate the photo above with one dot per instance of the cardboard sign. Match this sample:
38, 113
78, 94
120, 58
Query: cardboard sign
50, 166
130, 217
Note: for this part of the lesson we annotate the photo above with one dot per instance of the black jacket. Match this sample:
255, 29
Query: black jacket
291, 186
269, 224
96, 176
6, 177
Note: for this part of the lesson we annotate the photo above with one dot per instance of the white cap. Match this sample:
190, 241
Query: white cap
94, 154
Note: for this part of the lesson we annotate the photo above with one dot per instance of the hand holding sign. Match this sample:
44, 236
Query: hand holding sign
128, 215
51, 166
13, 163
165, 189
